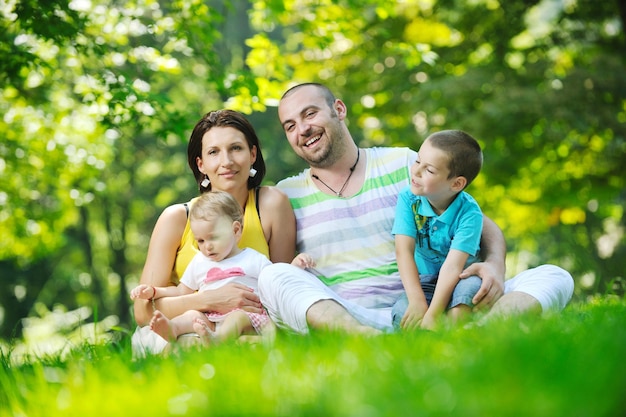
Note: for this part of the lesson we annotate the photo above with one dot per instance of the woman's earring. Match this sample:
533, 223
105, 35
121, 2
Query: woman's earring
252, 172
205, 182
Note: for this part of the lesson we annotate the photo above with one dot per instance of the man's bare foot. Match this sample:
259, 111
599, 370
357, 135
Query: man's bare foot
367, 331
207, 335
163, 326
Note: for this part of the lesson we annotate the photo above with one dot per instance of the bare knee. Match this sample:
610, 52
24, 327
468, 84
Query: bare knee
330, 315
516, 302
237, 323
325, 314
191, 315
241, 318
459, 313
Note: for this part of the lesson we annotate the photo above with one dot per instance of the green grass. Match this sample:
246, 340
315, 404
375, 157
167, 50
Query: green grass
567, 364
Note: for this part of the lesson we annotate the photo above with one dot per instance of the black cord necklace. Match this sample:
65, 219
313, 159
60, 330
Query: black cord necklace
343, 187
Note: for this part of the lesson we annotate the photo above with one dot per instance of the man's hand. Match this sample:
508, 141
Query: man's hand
492, 286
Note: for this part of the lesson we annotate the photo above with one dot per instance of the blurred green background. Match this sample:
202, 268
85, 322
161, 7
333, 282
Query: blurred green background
98, 98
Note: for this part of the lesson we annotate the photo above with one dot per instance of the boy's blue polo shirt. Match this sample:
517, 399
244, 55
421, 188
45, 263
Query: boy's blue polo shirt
459, 227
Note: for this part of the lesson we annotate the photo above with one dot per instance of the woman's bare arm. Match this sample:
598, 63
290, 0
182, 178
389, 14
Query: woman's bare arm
279, 224
161, 256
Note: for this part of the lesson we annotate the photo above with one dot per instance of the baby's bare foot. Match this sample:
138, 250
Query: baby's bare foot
162, 326
207, 335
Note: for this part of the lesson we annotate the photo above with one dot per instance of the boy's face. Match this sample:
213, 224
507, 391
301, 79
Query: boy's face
429, 173
217, 238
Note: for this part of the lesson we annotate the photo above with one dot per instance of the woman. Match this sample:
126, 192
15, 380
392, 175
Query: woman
224, 154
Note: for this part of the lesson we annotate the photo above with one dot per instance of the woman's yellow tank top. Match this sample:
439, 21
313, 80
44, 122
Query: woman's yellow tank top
252, 237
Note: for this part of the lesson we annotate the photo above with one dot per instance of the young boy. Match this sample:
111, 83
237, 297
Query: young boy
437, 232
216, 221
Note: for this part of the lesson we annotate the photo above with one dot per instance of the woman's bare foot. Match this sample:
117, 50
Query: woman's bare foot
163, 326
207, 335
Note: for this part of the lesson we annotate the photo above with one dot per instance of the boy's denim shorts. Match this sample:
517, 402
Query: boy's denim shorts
463, 293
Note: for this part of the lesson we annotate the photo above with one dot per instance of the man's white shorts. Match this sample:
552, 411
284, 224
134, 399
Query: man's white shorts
287, 292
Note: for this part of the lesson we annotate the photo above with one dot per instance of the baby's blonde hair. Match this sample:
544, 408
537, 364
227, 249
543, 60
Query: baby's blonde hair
214, 204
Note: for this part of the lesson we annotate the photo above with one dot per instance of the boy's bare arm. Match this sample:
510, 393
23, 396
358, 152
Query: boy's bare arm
446, 282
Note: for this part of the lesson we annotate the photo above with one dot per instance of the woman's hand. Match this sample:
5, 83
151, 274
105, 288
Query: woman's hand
230, 297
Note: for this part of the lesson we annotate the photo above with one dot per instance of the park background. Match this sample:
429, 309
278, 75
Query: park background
98, 98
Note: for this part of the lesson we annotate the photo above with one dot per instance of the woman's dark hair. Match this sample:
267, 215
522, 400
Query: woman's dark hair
224, 118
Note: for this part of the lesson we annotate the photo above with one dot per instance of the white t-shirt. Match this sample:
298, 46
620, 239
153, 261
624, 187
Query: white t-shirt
204, 274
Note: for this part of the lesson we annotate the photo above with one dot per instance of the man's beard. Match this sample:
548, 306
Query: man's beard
331, 153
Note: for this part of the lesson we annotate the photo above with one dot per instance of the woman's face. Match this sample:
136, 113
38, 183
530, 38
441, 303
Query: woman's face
226, 158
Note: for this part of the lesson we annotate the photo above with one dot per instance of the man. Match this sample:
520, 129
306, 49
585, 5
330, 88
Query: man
345, 205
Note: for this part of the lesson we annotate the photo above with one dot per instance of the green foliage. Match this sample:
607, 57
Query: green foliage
53, 22
96, 127
561, 365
